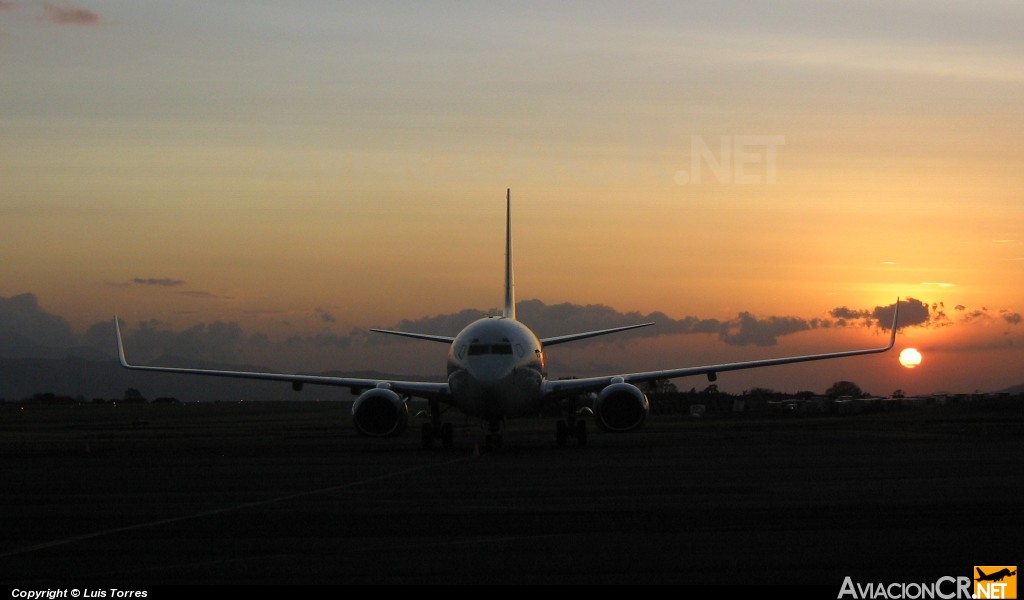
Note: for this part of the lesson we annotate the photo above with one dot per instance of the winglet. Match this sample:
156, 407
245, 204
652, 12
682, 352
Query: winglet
120, 344
895, 323
510, 296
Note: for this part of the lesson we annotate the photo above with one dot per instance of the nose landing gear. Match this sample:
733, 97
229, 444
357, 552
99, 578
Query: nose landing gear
494, 440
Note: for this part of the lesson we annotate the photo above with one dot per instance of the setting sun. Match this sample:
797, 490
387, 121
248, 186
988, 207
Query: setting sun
910, 358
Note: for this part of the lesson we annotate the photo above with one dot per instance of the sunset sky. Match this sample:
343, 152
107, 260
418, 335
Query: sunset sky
261, 182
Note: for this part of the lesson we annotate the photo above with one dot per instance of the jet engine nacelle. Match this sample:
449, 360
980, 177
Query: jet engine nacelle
621, 407
379, 412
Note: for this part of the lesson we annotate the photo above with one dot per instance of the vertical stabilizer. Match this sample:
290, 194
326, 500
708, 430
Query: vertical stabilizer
510, 296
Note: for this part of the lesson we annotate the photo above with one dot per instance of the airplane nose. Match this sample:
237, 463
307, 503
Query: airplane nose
489, 373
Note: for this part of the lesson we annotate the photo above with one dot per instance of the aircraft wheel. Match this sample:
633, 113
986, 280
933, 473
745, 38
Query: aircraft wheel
561, 433
493, 441
427, 436
446, 435
581, 433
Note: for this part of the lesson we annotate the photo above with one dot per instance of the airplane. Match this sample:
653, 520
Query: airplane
496, 371
997, 576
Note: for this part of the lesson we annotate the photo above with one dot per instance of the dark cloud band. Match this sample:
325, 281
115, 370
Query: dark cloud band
69, 15
161, 281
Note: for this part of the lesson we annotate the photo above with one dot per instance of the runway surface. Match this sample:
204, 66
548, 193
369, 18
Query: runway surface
286, 493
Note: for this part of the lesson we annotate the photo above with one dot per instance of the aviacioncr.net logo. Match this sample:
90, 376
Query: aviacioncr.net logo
998, 581
944, 588
989, 582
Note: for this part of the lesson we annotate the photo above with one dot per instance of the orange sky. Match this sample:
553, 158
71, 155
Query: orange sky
271, 166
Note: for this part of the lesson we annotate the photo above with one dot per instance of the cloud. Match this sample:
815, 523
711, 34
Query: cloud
559, 319
913, 312
167, 282
843, 312
549, 320
218, 341
160, 281
1011, 318
974, 315
100, 335
203, 295
22, 316
227, 342
69, 15
969, 315
747, 329
449, 324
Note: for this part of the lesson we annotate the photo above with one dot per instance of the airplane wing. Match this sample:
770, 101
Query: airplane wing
561, 339
564, 387
421, 389
419, 336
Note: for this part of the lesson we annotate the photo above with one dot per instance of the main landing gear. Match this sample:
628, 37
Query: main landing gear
578, 430
571, 426
429, 433
435, 428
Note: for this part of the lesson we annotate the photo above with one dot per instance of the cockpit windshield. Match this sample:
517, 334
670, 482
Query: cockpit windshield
478, 349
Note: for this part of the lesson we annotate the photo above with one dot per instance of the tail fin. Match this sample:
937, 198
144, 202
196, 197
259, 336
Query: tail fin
510, 296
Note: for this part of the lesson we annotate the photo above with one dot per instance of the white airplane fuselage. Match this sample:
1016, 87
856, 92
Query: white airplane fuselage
496, 369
